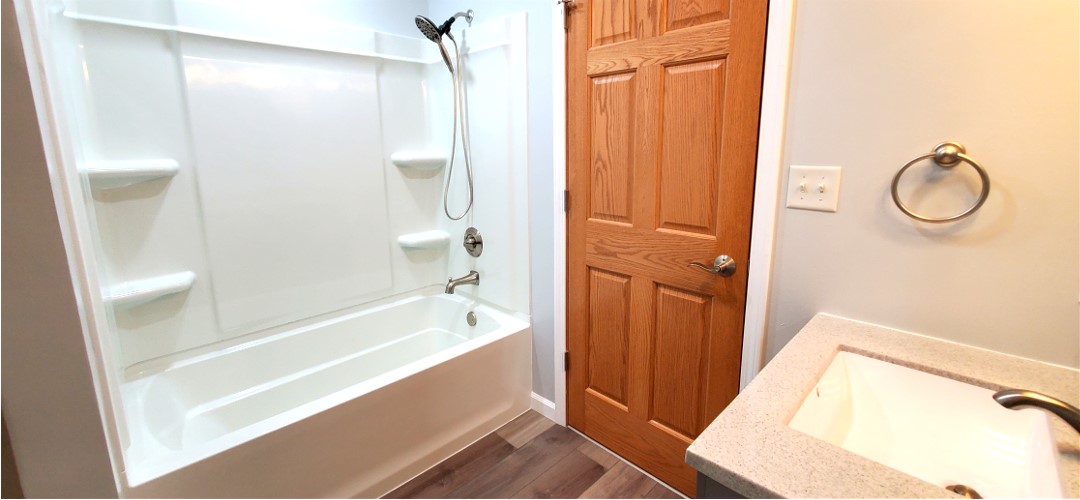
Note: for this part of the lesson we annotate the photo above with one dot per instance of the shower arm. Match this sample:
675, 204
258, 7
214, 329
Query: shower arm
445, 28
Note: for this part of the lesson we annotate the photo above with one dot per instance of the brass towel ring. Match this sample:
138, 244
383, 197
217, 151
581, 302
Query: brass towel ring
945, 155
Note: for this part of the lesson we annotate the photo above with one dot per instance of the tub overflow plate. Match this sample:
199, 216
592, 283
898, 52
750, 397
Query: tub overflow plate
470, 318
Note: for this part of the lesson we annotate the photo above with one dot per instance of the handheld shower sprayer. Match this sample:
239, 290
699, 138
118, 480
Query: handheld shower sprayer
435, 32
461, 112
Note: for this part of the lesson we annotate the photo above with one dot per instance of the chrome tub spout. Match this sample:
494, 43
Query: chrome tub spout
473, 278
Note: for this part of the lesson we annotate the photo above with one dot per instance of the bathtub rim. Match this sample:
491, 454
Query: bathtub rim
154, 366
140, 471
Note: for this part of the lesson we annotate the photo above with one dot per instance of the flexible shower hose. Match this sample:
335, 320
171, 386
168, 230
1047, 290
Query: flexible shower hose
460, 109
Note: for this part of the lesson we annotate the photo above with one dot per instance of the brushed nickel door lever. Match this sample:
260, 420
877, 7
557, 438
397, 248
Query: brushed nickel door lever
722, 266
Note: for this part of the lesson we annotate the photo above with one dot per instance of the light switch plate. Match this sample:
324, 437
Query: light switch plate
813, 188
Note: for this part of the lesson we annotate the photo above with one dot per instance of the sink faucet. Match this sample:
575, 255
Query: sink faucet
473, 278
1014, 398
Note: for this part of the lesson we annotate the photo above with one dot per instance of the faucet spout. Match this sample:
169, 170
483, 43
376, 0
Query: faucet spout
1016, 398
473, 278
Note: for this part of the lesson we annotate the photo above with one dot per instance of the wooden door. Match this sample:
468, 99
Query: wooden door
663, 99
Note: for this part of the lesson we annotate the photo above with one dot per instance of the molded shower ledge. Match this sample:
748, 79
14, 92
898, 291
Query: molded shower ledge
424, 239
115, 174
134, 293
420, 160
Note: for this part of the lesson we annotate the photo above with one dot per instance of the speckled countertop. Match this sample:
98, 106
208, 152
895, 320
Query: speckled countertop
750, 448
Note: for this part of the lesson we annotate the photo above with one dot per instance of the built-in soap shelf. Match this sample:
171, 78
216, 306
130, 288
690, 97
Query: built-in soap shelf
137, 292
122, 173
419, 160
424, 240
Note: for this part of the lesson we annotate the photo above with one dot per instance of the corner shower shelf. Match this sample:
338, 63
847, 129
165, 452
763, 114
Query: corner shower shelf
424, 240
419, 160
134, 293
121, 173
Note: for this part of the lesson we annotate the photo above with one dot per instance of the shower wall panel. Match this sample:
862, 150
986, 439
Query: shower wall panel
284, 204
289, 158
415, 195
127, 98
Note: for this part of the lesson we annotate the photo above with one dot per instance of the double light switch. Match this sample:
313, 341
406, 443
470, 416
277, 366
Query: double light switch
813, 188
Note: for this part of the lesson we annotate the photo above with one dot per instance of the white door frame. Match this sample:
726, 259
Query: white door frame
780, 31
778, 44
558, 157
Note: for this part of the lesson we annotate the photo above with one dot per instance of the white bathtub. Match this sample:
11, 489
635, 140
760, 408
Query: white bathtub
352, 406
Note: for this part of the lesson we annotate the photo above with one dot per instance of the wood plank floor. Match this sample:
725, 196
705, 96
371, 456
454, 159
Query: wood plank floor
531, 457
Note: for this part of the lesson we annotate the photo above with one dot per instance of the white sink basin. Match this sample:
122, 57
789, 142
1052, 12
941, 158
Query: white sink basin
937, 429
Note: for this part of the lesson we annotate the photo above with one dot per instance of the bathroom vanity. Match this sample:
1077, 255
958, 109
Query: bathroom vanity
849, 409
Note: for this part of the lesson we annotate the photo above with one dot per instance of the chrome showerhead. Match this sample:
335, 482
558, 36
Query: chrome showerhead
428, 28
434, 33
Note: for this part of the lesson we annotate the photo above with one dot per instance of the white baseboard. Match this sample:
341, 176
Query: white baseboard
544, 407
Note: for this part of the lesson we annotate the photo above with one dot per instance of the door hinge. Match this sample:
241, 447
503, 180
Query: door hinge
566, 6
566, 200
566, 361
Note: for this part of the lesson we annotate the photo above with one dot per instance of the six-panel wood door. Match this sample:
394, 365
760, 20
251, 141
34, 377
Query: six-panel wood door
663, 99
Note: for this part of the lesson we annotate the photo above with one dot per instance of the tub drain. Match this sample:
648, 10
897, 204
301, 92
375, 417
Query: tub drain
964, 490
470, 318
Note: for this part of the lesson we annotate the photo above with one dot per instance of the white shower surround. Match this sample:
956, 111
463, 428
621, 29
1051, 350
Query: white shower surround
148, 229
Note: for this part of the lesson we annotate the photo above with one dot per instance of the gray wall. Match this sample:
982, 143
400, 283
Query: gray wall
875, 84
49, 400
541, 180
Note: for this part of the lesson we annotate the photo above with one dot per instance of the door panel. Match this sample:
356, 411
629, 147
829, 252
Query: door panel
609, 333
686, 13
639, 441
692, 111
662, 117
698, 42
612, 21
681, 345
612, 178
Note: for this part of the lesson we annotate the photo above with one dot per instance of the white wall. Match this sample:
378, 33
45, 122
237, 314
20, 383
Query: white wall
541, 182
877, 83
